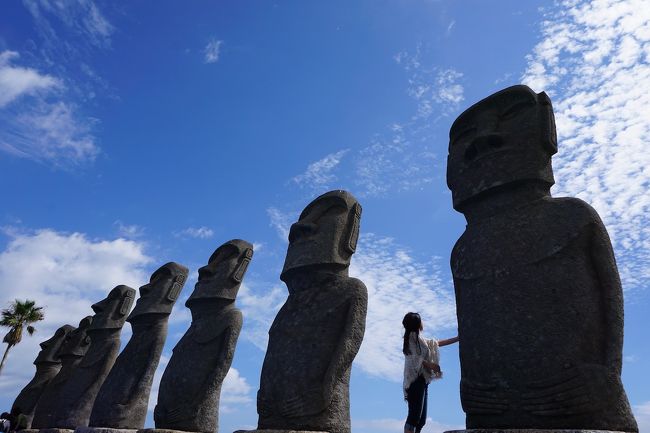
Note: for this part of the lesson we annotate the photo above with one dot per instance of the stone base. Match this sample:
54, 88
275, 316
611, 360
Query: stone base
30, 430
279, 431
482, 430
161, 430
56, 430
104, 430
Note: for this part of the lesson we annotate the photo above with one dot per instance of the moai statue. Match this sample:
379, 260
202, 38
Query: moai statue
318, 331
47, 365
122, 399
538, 296
71, 353
79, 393
188, 397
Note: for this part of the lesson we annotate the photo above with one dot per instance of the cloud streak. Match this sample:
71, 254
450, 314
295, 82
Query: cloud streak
212, 51
594, 61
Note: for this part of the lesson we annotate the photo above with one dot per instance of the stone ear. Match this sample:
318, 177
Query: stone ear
238, 275
353, 237
547, 119
126, 304
176, 287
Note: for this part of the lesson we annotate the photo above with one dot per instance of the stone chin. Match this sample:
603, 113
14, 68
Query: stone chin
304, 258
205, 291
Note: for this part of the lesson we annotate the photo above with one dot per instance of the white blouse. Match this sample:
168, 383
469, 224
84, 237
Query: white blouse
427, 351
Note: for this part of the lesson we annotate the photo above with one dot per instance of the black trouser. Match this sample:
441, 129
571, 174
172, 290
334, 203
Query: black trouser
416, 396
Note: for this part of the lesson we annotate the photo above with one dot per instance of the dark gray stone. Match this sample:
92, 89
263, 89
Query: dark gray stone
279, 431
539, 299
79, 393
318, 331
47, 365
103, 430
123, 397
71, 353
188, 396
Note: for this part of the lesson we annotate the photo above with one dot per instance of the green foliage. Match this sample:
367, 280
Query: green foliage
19, 316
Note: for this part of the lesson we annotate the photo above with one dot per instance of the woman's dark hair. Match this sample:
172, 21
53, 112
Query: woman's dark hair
412, 323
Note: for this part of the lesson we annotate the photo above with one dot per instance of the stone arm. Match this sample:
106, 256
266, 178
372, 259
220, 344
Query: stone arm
349, 341
602, 256
231, 335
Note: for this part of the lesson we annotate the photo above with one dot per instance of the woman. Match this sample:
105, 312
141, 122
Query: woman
420, 368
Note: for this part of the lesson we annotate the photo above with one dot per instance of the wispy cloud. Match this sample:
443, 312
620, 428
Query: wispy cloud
594, 61
16, 81
66, 273
212, 51
129, 231
195, 232
281, 221
318, 175
397, 283
642, 415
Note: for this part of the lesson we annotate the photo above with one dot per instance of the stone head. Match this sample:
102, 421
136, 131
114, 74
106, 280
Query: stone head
326, 233
160, 294
222, 276
111, 312
77, 341
50, 347
508, 137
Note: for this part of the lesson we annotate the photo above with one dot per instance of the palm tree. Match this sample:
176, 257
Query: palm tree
17, 316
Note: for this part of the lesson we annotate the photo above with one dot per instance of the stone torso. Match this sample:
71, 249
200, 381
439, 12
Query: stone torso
305, 341
44, 412
532, 318
123, 397
79, 393
188, 398
30, 395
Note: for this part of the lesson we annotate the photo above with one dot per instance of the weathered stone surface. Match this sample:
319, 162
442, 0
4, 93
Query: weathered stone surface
79, 393
318, 331
103, 430
47, 365
71, 353
279, 431
56, 430
539, 300
529, 431
123, 397
188, 396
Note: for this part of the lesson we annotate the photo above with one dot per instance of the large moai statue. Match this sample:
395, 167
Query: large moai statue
123, 397
317, 333
79, 393
47, 365
188, 396
71, 353
538, 296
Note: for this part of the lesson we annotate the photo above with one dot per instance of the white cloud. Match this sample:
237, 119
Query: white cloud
16, 81
235, 389
319, 174
281, 221
196, 232
129, 231
396, 425
594, 61
65, 273
642, 415
212, 51
49, 132
397, 283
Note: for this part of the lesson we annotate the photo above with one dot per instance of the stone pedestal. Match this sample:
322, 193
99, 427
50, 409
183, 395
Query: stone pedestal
279, 431
55, 430
161, 430
103, 430
30, 430
477, 430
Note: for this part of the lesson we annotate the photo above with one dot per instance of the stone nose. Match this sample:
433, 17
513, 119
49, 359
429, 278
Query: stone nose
301, 229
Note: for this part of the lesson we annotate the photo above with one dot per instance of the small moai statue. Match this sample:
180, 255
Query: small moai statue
538, 295
79, 393
123, 397
71, 353
47, 365
317, 333
188, 396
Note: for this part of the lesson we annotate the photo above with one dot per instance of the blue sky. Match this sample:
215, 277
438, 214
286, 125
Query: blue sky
137, 133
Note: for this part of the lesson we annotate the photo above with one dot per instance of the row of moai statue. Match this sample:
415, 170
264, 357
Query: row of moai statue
538, 296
